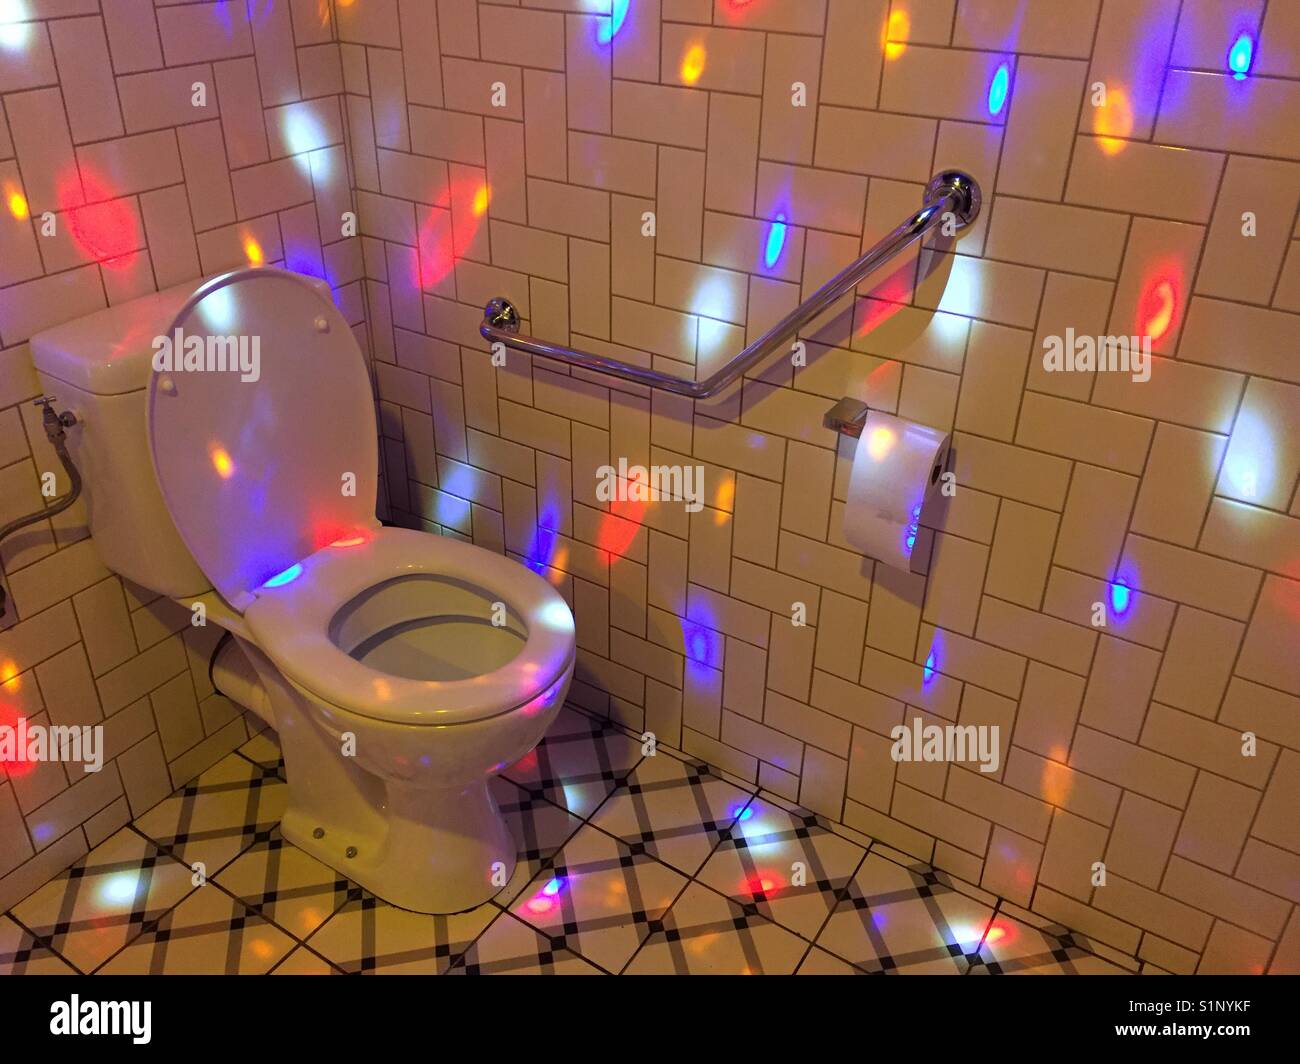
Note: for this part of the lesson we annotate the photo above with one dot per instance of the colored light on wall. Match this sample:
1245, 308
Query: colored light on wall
303, 134
693, 64
609, 27
999, 90
482, 197
927, 672
14, 31
1241, 56
253, 252
103, 225
16, 203
1113, 121
897, 30
1159, 306
776, 234
1120, 597
287, 577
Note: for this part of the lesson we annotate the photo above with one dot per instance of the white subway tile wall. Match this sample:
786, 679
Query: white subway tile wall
660, 180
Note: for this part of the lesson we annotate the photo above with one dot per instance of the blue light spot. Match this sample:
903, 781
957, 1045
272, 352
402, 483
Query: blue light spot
741, 813
909, 537
775, 241
927, 673
999, 90
287, 577
553, 887
1241, 56
609, 27
1119, 597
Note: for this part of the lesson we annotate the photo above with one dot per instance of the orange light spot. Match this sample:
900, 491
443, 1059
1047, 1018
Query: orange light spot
481, 199
253, 252
693, 64
725, 499
1113, 121
8, 672
897, 30
349, 541
1057, 782
880, 443
17, 203
558, 563
221, 461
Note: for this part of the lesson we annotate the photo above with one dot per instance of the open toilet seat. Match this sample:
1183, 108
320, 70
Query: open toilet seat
310, 626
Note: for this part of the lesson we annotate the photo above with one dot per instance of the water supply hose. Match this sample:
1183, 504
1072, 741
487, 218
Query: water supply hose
56, 426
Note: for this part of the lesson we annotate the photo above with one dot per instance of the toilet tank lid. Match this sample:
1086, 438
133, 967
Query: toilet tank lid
110, 352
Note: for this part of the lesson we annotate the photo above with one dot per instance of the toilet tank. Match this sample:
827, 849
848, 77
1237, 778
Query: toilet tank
99, 367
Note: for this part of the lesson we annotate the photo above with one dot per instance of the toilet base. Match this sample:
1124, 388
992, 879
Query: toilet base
429, 849
441, 852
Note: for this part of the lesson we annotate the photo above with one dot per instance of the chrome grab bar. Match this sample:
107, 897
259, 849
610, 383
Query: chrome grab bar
952, 195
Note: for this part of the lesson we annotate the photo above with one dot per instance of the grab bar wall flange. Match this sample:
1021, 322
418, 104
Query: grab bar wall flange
950, 193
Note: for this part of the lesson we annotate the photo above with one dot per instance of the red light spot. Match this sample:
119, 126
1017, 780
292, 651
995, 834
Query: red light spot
1158, 309
105, 228
766, 883
437, 253
349, 541
619, 527
16, 764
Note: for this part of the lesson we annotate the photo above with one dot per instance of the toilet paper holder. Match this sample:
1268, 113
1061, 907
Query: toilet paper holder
847, 417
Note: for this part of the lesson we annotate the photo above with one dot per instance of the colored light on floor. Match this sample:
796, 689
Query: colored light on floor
776, 234
119, 889
999, 90
1241, 56
17, 204
482, 196
609, 27
253, 252
693, 64
287, 577
1120, 597
927, 673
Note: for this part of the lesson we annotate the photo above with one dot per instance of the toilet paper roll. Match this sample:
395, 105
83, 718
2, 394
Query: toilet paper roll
896, 471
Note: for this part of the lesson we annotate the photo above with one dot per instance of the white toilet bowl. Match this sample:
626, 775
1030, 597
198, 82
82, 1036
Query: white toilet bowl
411, 669
403, 669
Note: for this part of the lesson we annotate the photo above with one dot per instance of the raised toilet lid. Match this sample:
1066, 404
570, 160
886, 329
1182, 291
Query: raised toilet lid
263, 465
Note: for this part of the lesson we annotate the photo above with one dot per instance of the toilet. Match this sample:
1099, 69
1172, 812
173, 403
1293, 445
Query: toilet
229, 448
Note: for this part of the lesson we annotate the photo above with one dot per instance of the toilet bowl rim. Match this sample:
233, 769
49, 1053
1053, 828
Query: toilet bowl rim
291, 624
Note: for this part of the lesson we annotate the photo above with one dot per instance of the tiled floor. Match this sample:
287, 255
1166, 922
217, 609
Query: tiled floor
627, 864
